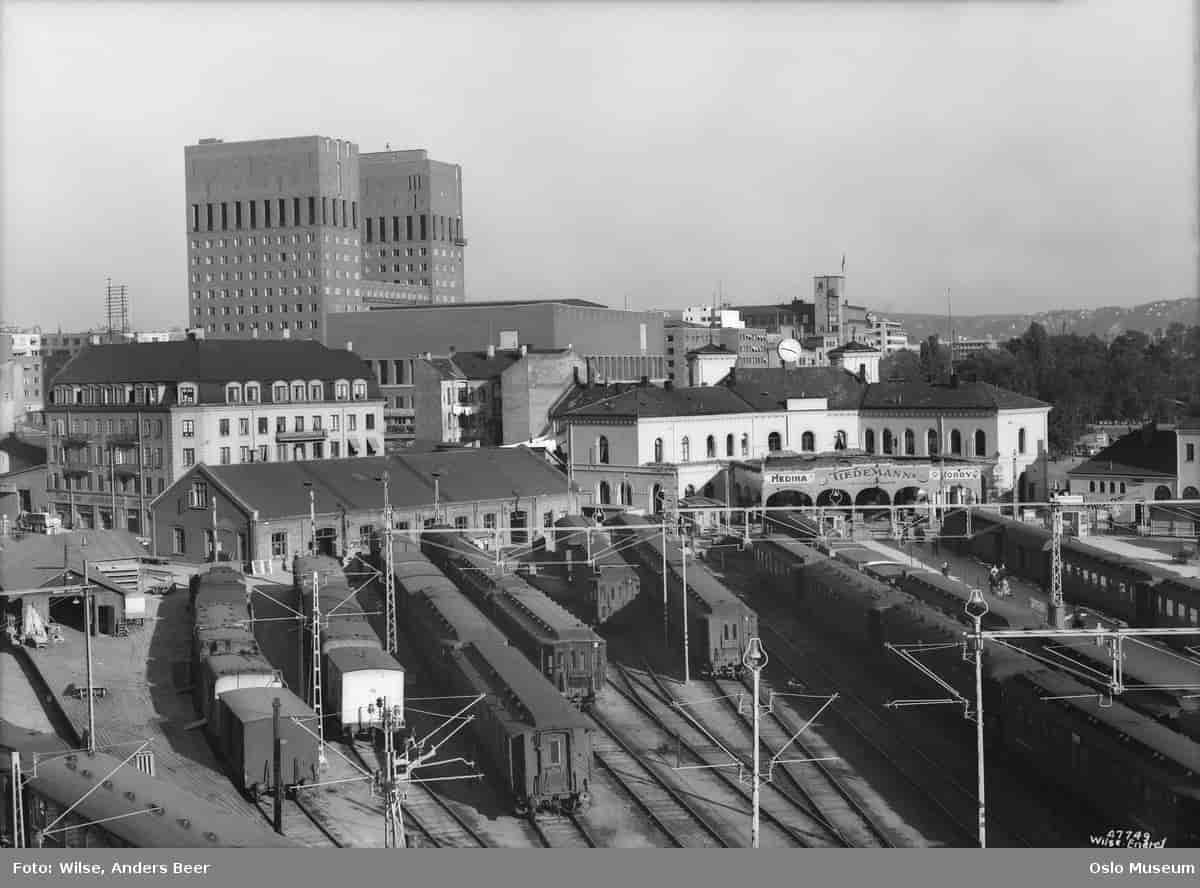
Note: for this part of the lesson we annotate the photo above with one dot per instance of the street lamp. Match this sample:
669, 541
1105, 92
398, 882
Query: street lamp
976, 607
755, 659
437, 497
87, 643
389, 579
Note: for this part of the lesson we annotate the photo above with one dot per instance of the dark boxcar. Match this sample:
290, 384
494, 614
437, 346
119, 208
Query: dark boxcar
248, 738
222, 673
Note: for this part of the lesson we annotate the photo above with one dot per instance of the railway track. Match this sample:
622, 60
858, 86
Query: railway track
819, 784
812, 832
425, 811
562, 831
299, 822
917, 768
665, 806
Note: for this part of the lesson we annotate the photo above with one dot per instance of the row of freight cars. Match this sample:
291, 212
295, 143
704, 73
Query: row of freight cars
235, 686
1130, 590
536, 743
1124, 763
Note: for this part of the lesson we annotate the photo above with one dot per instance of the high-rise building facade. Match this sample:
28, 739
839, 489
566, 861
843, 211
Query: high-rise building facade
412, 228
275, 230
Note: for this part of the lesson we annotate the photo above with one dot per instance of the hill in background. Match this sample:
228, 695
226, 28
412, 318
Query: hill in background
1105, 323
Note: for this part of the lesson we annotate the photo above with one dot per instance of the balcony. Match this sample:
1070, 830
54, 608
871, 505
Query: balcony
122, 439
70, 471
460, 242
75, 439
310, 435
125, 469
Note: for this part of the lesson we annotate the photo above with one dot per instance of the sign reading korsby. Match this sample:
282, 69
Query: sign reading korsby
871, 475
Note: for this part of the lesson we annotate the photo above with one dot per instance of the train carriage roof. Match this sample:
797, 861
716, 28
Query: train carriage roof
542, 614
355, 659
504, 669
217, 665
249, 705
1146, 664
459, 614
703, 583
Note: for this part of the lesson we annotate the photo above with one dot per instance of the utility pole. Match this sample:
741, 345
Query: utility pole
316, 667
216, 555
312, 519
87, 639
437, 498
1057, 616
18, 799
389, 580
277, 767
976, 607
687, 669
112, 480
666, 576
393, 814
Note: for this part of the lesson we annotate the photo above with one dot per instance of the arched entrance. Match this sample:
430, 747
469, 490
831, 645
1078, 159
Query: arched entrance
795, 499
907, 496
873, 497
1191, 493
1162, 492
833, 497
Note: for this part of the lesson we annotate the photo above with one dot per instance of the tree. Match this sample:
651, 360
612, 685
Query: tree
902, 365
935, 360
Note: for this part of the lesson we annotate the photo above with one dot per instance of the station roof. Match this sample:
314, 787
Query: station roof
962, 396
767, 389
652, 401
1144, 452
472, 474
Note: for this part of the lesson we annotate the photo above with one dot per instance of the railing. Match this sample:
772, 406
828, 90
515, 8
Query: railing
310, 435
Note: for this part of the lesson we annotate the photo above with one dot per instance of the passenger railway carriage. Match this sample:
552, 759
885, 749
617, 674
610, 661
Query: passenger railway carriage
533, 739
563, 648
1118, 760
719, 623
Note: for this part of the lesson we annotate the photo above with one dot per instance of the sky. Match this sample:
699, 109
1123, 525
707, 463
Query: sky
1019, 155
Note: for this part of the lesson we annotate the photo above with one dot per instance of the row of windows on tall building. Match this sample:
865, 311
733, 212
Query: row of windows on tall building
298, 424
297, 451
422, 227
280, 212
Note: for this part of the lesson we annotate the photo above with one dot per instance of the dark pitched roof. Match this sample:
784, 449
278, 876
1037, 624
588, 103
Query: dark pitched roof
853, 347
917, 395
478, 365
214, 360
770, 388
581, 396
648, 401
711, 349
277, 489
39, 559
21, 454
1143, 452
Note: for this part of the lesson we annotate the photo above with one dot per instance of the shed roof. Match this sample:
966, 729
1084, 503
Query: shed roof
652, 401
21, 454
766, 389
911, 395
38, 560
471, 474
255, 704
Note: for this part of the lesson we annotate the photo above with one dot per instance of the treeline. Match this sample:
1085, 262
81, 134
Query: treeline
1134, 378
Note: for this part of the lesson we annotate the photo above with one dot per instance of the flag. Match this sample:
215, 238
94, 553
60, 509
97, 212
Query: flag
843, 263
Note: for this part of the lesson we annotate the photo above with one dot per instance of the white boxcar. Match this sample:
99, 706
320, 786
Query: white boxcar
357, 678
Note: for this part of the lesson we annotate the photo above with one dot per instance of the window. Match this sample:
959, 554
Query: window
1091, 487
626, 494
352, 422
298, 423
910, 443
1191, 452
297, 389
685, 449
460, 522
980, 443
189, 456
658, 450
262, 452
774, 442
489, 521
244, 425
279, 392
1122, 487
178, 539
245, 454
187, 394
223, 428
710, 447
1020, 441
334, 423
233, 393
198, 495
931, 442
279, 544
605, 493
224, 456
360, 390
745, 445
956, 442
316, 391
189, 428
808, 442
729, 445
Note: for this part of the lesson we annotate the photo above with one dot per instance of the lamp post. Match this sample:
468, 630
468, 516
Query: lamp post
389, 578
975, 608
437, 497
87, 645
755, 659
687, 675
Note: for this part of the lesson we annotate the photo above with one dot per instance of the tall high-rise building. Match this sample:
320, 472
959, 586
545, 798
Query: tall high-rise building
412, 227
275, 231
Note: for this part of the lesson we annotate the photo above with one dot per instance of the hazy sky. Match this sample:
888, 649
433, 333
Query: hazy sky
1024, 155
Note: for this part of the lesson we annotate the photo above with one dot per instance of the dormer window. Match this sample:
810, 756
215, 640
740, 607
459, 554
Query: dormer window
297, 391
316, 391
233, 393
279, 392
187, 394
341, 390
360, 390
252, 393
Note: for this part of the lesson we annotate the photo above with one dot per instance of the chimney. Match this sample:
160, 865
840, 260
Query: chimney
1148, 433
427, 355
452, 351
524, 350
491, 351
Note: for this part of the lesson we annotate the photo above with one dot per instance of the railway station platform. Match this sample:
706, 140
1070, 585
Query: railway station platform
1157, 557
147, 697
